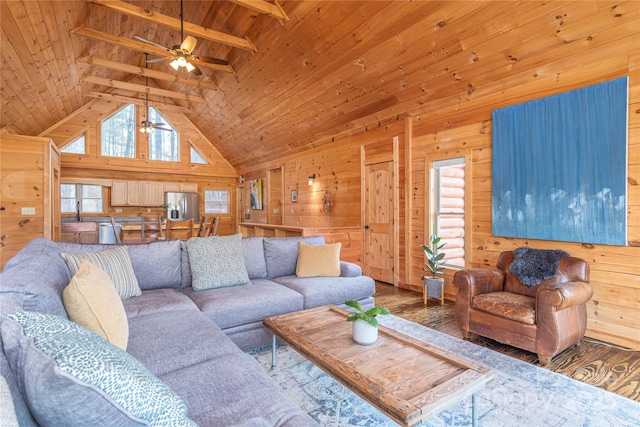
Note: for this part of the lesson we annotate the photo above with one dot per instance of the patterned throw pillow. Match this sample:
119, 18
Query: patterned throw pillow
71, 376
115, 262
318, 260
217, 262
91, 300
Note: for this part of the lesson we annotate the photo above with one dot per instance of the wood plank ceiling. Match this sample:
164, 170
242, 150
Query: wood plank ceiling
332, 67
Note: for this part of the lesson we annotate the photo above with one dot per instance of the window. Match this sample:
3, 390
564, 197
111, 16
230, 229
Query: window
448, 208
216, 201
87, 197
118, 134
76, 146
163, 144
197, 157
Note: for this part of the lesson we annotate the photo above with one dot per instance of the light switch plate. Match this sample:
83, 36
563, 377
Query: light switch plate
28, 211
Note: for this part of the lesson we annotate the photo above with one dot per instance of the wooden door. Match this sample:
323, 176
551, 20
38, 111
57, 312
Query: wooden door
379, 237
275, 196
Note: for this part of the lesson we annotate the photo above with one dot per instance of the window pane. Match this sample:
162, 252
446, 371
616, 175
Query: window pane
216, 201
92, 205
92, 191
196, 157
449, 208
118, 133
163, 145
68, 190
68, 205
76, 146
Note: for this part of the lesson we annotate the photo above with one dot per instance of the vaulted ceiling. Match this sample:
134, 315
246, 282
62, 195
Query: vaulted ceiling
328, 68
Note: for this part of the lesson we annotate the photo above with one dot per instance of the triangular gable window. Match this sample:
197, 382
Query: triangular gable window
197, 157
77, 146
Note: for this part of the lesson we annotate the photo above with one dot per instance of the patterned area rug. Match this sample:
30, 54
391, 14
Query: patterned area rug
520, 394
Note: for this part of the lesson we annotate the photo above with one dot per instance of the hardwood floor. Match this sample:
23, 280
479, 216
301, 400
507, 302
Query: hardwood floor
593, 362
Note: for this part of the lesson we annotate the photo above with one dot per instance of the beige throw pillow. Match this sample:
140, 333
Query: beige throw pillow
91, 300
318, 260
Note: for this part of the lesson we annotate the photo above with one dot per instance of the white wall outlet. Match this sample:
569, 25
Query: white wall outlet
275, 211
118, 210
28, 211
148, 209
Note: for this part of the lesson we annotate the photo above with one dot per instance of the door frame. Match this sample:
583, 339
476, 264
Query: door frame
396, 206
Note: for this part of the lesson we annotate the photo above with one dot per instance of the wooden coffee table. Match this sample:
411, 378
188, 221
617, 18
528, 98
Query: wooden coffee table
407, 379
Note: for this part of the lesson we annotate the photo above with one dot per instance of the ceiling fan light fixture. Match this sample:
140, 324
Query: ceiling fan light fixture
190, 67
188, 44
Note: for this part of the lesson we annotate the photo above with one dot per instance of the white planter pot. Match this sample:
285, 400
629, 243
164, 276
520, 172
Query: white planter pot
364, 333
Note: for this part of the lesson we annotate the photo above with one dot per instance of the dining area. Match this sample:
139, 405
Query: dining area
152, 227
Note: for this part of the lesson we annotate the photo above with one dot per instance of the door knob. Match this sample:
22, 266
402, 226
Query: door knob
366, 227
2, 208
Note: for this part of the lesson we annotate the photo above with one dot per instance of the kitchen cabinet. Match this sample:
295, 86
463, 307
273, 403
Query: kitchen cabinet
181, 187
79, 232
30, 192
137, 193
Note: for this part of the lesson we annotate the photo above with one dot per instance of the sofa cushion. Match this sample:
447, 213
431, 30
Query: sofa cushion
71, 376
157, 264
217, 403
281, 254
91, 300
521, 308
158, 301
116, 262
318, 260
245, 304
253, 251
217, 262
172, 340
319, 291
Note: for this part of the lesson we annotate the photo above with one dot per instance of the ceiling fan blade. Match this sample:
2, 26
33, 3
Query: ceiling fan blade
159, 60
150, 42
160, 126
210, 60
188, 44
196, 70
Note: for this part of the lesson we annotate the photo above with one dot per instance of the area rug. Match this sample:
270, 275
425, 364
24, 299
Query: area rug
520, 394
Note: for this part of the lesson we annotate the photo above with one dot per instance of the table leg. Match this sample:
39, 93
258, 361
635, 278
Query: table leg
273, 351
474, 411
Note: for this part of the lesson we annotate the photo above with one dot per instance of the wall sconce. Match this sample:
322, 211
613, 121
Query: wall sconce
311, 178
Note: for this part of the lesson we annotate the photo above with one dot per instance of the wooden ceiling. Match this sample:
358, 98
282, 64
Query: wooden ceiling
332, 67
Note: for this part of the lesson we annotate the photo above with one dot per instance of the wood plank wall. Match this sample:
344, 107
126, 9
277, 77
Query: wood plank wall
601, 44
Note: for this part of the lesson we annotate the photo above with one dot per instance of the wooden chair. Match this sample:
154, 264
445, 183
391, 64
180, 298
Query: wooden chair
115, 231
208, 226
151, 228
180, 229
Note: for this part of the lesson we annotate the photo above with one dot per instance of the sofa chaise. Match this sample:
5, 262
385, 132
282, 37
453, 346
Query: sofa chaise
190, 339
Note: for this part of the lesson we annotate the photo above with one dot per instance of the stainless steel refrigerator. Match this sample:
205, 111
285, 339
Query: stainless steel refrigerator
182, 206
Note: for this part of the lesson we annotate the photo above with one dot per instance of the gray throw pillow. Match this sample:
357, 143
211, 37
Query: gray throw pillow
281, 254
217, 262
73, 377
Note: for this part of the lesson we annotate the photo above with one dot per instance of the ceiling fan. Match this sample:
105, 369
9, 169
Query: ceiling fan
147, 126
181, 55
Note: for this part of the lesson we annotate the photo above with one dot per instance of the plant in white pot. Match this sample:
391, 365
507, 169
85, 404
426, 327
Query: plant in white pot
365, 324
435, 264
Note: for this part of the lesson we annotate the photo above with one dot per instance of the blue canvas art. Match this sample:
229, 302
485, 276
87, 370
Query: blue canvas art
559, 167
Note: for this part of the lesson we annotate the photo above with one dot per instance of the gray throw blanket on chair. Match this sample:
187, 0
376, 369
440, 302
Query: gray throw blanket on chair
533, 266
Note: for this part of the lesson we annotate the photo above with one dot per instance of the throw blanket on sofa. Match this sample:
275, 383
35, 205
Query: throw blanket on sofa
533, 266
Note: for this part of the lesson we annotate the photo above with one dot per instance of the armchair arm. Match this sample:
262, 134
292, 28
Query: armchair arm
349, 269
563, 295
478, 281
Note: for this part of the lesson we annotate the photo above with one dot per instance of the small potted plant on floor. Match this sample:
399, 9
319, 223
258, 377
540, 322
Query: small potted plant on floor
435, 264
365, 324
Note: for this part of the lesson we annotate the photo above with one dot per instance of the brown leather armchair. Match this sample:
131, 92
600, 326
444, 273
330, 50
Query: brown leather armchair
545, 319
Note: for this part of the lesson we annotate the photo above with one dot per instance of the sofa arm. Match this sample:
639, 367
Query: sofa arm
349, 269
564, 295
478, 281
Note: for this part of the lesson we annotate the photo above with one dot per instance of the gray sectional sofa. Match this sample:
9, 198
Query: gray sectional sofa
193, 341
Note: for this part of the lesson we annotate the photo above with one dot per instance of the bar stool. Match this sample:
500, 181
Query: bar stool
208, 226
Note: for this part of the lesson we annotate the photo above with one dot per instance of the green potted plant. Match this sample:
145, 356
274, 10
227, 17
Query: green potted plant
365, 323
435, 264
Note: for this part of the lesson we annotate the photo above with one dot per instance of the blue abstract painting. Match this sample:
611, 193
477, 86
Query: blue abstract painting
559, 166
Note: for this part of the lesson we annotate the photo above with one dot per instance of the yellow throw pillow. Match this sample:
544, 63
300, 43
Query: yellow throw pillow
318, 260
91, 300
